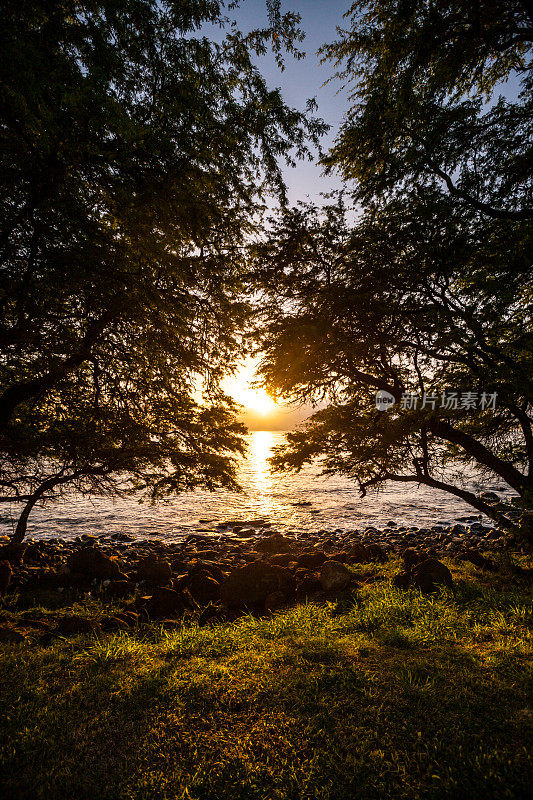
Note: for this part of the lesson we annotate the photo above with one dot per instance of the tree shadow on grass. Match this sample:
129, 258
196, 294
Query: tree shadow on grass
300, 718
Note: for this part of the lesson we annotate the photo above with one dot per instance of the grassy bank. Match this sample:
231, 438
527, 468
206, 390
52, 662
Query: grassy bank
395, 695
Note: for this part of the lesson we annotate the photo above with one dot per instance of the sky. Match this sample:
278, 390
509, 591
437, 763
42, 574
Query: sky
301, 80
304, 79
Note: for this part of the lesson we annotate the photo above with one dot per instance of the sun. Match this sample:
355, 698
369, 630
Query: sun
257, 400
239, 387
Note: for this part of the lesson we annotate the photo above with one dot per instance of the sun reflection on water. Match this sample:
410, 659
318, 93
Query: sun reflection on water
261, 445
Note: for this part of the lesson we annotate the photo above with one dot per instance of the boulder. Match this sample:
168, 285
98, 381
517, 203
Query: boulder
312, 560
334, 576
411, 557
309, 585
252, 584
5, 576
165, 603
377, 553
274, 601
92, 563
478, 560
428, 574
276, 543
12, 552
203, 587
359, 554
282, 559
206, 566
154, 570
402, 580
489, 497
121, 588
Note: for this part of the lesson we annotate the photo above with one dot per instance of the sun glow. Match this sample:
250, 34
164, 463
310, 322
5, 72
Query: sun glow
240, 388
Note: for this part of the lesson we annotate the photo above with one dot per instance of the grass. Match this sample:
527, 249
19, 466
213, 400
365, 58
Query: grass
395, 695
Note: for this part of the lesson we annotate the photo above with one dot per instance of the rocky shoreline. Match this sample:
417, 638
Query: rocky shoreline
241, 565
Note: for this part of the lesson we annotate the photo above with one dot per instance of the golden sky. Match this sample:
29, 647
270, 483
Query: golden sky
260, 412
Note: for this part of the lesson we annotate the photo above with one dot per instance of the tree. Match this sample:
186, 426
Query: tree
430, 291
135, 153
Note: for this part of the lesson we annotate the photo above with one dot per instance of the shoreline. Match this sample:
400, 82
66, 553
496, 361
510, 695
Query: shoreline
158, 579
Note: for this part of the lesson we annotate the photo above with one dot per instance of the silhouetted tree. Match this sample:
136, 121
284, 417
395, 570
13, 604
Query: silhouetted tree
431, 290
134, 154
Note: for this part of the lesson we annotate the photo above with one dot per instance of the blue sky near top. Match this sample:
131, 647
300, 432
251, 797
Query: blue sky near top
303, 79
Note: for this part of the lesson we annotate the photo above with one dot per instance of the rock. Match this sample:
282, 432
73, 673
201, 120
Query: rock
245, 533
312, 560
165, 603
359, 554
275, 600
411, 557
489, 497
92, 563
12, 552
308, 586
74, 624
334, 576
206, 566
377, 553
429, 573
478, 560
203, 587
121, 588
276, 543
252, 584
402, 580
5, 576
154, 570
11, 636
283, 559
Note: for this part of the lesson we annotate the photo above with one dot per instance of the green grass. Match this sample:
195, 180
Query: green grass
394, 696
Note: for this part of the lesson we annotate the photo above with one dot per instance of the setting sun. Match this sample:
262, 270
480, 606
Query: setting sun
241, 389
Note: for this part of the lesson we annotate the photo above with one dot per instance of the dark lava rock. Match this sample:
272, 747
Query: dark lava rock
122, 588
5, 576
334, 576
12, 552
275, 600
425, 575
312, 560
402, 580
203, 587
377, 553
308, 586
165, 603
411, 557
276, 543
206, 566
359, 554
478, 560
489, 497
92, 563
252, 584
154, 570
429, 573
